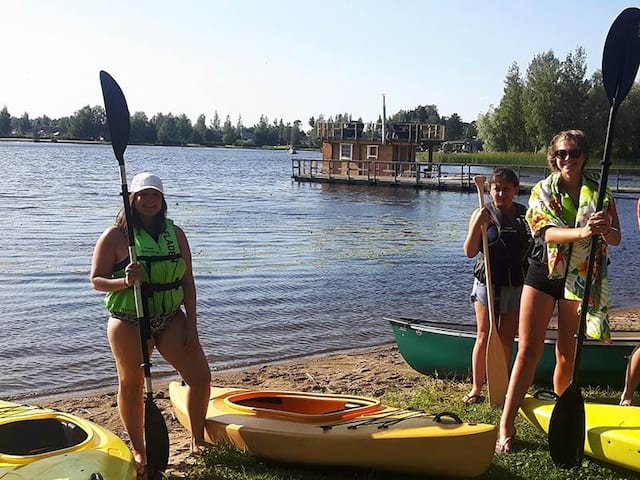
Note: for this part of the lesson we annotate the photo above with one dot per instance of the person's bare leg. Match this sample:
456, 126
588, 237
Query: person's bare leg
124, 339
568, 321
194, 370
632, 376
535, 311
507, 331
479, 353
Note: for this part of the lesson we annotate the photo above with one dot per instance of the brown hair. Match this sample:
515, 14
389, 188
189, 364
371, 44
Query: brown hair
506, 175
576, 136
158, 221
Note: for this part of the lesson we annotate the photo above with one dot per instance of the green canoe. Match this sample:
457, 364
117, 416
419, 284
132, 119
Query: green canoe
444, 350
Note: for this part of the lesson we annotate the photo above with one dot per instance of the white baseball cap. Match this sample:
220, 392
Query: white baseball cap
145, 180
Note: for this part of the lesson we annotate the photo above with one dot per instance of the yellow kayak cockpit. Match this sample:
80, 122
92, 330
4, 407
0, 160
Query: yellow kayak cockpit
42, 443
40, 436
299, 406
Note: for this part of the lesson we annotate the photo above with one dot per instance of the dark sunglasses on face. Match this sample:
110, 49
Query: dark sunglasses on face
564, 154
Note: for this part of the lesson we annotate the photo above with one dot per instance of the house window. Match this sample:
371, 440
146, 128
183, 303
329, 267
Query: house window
372, 151
403, 154
346, 151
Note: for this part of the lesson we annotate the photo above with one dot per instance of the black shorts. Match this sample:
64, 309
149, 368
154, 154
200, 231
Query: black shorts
538, 278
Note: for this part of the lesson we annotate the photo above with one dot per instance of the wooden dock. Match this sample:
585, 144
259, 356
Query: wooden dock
431, 176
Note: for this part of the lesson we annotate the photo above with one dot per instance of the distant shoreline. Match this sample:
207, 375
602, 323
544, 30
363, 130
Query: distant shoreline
284, 148
48, 140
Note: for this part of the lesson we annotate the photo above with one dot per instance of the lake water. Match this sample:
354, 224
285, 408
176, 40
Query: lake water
283, 269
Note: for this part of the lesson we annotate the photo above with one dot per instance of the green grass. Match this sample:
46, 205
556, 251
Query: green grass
517, 158
530, 459
492, 158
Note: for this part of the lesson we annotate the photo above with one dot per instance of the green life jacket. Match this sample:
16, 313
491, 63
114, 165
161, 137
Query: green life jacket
162, 270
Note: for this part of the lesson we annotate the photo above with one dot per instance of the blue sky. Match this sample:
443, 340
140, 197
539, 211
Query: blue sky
284, 59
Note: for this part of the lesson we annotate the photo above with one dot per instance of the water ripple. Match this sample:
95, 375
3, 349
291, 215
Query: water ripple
282, 269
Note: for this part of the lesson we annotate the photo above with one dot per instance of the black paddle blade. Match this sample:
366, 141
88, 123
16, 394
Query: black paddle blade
621, 55
117, 114
566, 429
156, 438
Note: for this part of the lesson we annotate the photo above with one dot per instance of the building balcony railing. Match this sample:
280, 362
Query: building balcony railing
393, 132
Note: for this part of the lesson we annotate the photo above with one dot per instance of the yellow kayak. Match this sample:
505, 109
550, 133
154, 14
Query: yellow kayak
44, 444
612, 432
341, 430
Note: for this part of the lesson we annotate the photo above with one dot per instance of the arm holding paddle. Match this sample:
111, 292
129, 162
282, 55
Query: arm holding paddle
605, 224
473, 242
102, 278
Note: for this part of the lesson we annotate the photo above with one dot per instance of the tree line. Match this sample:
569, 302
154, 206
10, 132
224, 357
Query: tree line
556, 95
89, 123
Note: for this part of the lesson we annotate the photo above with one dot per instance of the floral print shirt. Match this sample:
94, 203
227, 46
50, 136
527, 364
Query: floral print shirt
570, 260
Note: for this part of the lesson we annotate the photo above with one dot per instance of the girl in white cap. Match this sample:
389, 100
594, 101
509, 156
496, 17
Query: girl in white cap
164, 268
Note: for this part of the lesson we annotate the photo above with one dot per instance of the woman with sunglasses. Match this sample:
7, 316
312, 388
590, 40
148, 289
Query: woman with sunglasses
563, 221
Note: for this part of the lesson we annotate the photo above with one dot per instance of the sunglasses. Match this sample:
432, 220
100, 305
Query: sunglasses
564, 154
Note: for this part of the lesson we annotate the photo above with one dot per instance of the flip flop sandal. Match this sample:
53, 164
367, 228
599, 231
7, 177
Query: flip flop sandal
470, 399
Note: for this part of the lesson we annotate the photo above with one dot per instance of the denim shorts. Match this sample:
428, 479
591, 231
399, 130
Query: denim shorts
508, 296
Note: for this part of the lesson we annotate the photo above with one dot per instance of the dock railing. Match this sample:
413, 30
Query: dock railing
444, 176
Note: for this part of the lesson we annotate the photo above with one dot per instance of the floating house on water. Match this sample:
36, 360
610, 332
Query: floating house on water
355, 150
373, 153
376, 149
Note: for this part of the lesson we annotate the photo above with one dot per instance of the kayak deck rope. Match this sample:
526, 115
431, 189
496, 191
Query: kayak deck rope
395, 421
384, 420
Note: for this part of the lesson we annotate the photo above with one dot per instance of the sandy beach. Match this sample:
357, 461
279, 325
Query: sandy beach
371, 373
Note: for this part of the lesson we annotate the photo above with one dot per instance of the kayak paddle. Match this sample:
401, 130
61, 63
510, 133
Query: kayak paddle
620, 60
155, 429
496, 360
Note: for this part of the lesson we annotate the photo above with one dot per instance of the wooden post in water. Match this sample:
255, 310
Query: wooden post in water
384, 119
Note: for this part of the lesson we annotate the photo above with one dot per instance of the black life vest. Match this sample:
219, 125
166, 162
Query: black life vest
509, 244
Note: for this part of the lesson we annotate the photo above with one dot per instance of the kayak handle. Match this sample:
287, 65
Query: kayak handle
545, 395
438, 417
